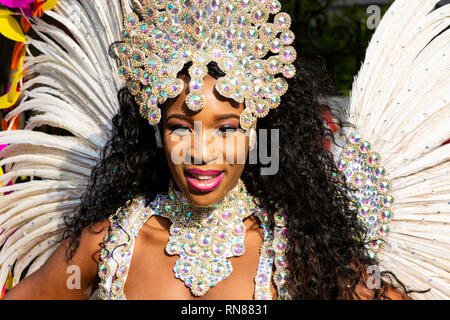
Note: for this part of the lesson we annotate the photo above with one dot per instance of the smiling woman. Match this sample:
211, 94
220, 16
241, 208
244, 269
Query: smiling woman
175, 208
212, 142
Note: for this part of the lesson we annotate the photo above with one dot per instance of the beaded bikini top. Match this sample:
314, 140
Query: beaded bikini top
196, 258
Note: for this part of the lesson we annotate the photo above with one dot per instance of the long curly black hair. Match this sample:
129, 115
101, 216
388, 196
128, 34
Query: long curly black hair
326, 255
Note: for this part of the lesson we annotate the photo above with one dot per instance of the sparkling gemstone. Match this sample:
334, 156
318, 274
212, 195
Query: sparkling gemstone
191, 249
217, 53
355, 138
274, 7
373, 159
131, 20
205, 240
282, 21
276, 46
289, 71
144, 29
195, 101
365, 210
280, 246
261, 295
226, 215
384, 230
385, 186
388, 201
206, 254
103, 269
223, 235
239, 229
386, 215
281, 260
152, 64
288, 55
342, 164
252, 33
261, 279
287, 37
172, 248
282, 277
123, 270
246, 119
260, 49
365, 147
215, 4
219, 268
259, 15
273, 65
280, 219
196, 84
238, 249
123, 72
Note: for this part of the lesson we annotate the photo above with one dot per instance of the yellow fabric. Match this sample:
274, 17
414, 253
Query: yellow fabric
1, 173
10, 99
10, 28
49, 5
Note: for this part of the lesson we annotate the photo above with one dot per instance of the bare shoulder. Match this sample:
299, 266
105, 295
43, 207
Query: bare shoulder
64, 278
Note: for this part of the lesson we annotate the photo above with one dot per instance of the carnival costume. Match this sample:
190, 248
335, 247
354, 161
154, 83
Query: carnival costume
394, 160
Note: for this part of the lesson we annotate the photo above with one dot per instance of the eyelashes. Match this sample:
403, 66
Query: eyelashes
184, 130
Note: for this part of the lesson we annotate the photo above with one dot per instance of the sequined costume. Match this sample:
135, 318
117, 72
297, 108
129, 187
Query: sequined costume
196, 254
394, 157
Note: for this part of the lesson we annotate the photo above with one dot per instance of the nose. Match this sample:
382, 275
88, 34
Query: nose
203, 150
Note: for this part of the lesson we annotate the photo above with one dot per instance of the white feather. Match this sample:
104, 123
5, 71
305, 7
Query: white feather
72, 83
400, 103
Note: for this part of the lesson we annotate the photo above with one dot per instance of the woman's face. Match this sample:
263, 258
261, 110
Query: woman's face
206, 150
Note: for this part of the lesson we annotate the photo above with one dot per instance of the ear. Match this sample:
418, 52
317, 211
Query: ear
158, 137
252, 138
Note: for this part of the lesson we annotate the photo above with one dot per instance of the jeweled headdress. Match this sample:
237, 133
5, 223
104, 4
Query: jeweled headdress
162, 35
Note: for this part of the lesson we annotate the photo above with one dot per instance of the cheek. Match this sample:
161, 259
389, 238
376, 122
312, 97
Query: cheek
175, 149
235, 149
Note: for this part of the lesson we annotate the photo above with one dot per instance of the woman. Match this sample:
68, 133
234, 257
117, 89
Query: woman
322, 231
155, 245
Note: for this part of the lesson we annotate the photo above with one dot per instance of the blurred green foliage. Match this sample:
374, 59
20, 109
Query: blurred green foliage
338, 33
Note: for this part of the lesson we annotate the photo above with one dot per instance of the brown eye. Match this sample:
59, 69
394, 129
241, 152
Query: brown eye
228, 129
179, 130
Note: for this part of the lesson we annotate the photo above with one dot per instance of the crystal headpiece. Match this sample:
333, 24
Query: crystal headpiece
162, 35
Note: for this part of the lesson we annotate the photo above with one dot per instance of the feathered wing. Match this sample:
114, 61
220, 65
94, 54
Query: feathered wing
71, 84
400, 104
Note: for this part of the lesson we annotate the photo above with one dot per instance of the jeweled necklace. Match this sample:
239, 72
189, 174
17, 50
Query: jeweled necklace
204, 237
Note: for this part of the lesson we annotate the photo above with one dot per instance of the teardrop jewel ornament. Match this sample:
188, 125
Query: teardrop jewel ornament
160, 39
205, 237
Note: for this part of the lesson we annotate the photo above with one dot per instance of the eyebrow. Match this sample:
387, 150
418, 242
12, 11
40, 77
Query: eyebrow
227, 116
177, 116
217, 117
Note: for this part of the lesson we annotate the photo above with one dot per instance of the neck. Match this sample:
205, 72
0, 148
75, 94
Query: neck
181, 207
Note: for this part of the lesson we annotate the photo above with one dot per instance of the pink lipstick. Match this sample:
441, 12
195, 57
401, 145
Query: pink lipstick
204, 180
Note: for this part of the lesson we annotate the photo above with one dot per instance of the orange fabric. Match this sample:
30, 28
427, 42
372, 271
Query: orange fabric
4, 125
25, 24
37, 8
17, 53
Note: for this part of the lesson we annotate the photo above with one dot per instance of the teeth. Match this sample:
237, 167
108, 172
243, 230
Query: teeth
202, 177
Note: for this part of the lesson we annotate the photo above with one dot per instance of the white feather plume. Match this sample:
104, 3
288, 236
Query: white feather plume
400, 103
71, 84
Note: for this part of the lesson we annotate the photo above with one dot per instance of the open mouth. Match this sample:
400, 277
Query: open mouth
203, 180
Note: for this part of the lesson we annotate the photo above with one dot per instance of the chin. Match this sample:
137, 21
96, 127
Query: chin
205, 199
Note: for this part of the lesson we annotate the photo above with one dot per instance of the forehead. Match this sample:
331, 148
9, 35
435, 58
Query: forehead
215, 103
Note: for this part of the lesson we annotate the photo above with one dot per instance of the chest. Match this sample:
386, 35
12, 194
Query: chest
138, 264
151, 274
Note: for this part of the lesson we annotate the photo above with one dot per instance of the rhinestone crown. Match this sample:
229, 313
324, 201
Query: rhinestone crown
160, 36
